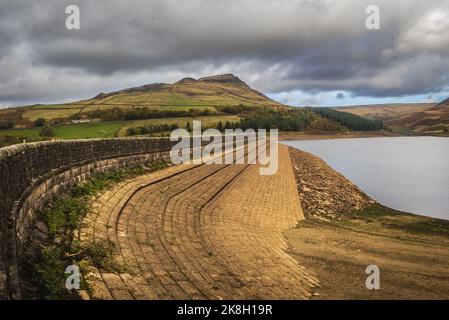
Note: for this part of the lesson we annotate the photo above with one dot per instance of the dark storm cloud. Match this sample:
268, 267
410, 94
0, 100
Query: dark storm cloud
276, 46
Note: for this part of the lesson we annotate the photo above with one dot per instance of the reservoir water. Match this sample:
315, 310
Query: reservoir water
404, 173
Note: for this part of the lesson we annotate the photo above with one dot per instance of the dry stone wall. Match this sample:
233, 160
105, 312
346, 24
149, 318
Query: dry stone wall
32, 174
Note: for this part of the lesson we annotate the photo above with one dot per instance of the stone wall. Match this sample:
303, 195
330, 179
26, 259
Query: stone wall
32, 174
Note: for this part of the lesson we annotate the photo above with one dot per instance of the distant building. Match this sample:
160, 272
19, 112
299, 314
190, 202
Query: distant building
80, 121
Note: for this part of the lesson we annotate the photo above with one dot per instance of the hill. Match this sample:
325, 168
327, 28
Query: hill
348, 120
444, 103
209, 93
434, 120
385, 112
220, 101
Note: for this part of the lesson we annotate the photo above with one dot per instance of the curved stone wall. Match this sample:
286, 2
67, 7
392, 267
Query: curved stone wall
32, 174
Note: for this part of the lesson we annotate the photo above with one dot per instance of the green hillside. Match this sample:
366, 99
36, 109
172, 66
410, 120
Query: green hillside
222, 101
210, 93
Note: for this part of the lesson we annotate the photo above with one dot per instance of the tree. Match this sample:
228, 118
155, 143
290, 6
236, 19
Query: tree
75, 116
131, 132
6, 124
47, 132
348, 120
39, 122
220, 126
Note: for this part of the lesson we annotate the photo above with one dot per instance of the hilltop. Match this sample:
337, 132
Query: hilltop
209, 93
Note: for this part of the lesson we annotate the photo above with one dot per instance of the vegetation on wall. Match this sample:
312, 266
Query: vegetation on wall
63, 217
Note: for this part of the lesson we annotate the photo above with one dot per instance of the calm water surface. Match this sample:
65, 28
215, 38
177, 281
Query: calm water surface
404, 173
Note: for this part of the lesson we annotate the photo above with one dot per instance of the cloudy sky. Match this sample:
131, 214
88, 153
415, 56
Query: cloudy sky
300, 52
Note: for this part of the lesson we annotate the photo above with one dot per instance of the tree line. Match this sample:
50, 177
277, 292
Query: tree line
349, 120
145, 113
284, 120
289, 120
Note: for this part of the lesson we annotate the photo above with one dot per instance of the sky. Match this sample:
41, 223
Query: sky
304, 52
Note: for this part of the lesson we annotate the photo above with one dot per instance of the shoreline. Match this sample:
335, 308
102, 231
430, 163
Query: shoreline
345, 231
436, 210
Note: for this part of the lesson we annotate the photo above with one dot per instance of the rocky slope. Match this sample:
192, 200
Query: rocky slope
324, 193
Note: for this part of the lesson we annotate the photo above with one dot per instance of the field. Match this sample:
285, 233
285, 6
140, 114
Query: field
87, 130
49, 113
73, 131
109, 129
22, 133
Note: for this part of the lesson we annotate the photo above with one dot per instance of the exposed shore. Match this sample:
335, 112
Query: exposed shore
345, 231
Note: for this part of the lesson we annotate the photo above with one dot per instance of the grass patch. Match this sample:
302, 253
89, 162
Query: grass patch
21, 133
389, 218
49, 274
7, 140
87, 130
376, 210
378, 219
102, 255
68, 131
63, 217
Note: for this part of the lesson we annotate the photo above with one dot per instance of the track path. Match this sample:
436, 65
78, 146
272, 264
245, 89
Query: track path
210, 231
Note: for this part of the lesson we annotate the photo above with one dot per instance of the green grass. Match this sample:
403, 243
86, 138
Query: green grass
23, 133
402, 221
87, 130
107, 129
71, 131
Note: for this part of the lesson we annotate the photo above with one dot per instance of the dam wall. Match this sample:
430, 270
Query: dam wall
33, 174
